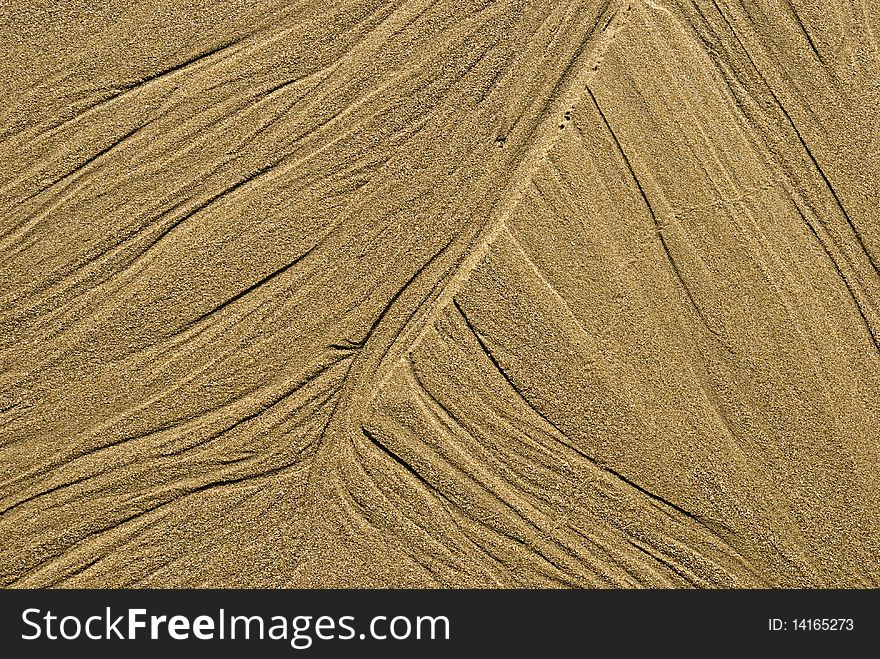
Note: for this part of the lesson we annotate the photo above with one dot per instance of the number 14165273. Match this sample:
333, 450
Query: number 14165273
811, 624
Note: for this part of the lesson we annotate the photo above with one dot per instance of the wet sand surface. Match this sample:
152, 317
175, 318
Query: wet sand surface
440, 293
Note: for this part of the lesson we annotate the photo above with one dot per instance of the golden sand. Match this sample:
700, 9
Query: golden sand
440, 293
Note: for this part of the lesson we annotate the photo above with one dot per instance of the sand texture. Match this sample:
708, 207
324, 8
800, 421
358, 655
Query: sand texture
440, 293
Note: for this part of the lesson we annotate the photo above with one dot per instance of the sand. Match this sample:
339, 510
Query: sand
440, 294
